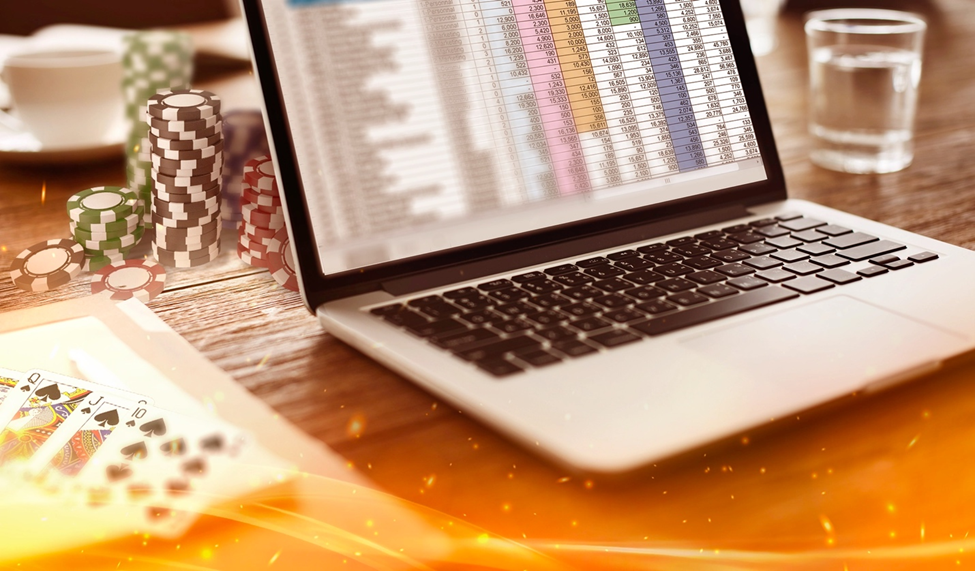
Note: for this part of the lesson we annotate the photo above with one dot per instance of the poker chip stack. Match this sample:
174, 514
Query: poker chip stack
243, 139
107, 222
186, 147
152, 61
261, 211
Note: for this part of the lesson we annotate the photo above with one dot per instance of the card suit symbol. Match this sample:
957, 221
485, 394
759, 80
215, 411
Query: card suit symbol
130, 423
25, 388
86, 410
119, 472
49, 393
174, 447
154, 427
139, 491
213, 443
177, 487
135, 451
195, 467
109, 417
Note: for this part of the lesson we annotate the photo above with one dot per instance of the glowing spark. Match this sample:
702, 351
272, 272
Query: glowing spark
429, 480
827, 525
207, 554
913, 441
483, 538
563, 480
356, 426
43, 192
261, 364
274, 558
745, 441
590, 484
3, 248
922, 531
891, 508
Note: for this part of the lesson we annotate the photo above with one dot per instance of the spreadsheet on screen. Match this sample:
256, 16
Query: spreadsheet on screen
421, 125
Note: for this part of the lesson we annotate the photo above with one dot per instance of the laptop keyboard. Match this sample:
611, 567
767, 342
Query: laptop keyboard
541, 318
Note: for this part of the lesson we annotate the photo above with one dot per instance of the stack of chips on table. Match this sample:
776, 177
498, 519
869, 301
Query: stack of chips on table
186, 144
152, 61
243, 139
107, 222
261, 211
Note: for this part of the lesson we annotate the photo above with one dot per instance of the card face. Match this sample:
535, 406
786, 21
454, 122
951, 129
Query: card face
70, 449
8, 380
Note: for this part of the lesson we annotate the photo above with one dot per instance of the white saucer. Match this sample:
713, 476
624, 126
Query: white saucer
17, 146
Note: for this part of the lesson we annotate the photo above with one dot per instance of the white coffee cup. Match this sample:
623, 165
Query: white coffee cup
67, 98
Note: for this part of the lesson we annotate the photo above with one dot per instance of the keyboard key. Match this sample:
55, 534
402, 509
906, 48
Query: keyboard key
870, 250
582, 292
719, 244
614, 338
482, 317
816, 249
472, 302
590, 324
559, 270
557, 333
574, 348
675, 285
490, 349
386, 309
436, 327
470, 337
550, 300
790, 256
650, 248
872, 271
833, 230
735, 270
612, 285
709, 235
691, 250
784, 242
645, 277
573, 279
580, 309
773, 231
850, 240
899, 265
788, 216
747, 238
706, 277
923, 257
702, 263
840, 277
747, 283
673, 270
717, 290
663, 257
808, 284
406, 318
591, 262
541, 286
737, 228
613, 301
508, 295
439, 309
623, 315
462, 292
546, 318
730, 256
494, 285
512, 326
809, 236
656, 306
499, 367
884, 260
800, 224
829, 261
514, 309
603, 272
803, 268
757, 249
425, 301
622, 254
645, 293
762, 222
634, 264
763, 263
530, 276
775, 276
538, 358
687, 298
715, 310
680, 241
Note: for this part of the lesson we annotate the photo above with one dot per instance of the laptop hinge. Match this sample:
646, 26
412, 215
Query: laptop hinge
512, 261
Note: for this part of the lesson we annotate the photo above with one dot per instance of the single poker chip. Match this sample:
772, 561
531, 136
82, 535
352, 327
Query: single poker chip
160, 163
258, 232
185, 181
212, 192
189, 223
256, 247
188, 243
259, 174
248, 258
211, 203
108, 252
183, 145
184, 126
86, 235
95, 263
160, 209
186, 259
47, 265
186, 232
190, 173
127, 224
125, 241
183, 105
262, 240
102, 204
204, 134
257, 217
190, 189
141, 279
265, 202
281, 261
185, 155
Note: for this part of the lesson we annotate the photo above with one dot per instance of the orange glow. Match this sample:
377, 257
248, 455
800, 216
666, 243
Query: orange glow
43, 192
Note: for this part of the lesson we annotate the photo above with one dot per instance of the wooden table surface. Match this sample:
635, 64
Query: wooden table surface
886, 483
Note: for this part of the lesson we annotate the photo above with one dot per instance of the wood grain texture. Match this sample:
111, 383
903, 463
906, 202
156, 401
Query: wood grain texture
878, 470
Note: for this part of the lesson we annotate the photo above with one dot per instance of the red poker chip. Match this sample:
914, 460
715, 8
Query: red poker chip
141, 279
281, 261
250, 259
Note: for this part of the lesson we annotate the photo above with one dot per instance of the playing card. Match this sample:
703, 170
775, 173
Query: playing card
8, 380
77, 440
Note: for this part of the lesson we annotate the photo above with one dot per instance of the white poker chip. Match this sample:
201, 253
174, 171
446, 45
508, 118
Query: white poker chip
47, 265
140, 279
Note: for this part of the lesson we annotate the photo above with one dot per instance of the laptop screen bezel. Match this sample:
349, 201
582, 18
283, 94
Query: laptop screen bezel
318, 288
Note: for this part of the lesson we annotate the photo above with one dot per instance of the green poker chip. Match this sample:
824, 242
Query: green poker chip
110, 244
102, 204
126, 225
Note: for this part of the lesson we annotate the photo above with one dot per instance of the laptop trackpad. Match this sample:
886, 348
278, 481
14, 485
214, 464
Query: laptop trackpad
835, 345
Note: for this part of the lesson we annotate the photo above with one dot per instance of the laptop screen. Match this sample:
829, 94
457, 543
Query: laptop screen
425, 125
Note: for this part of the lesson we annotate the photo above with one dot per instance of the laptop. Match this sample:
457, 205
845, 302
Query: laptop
568, 218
